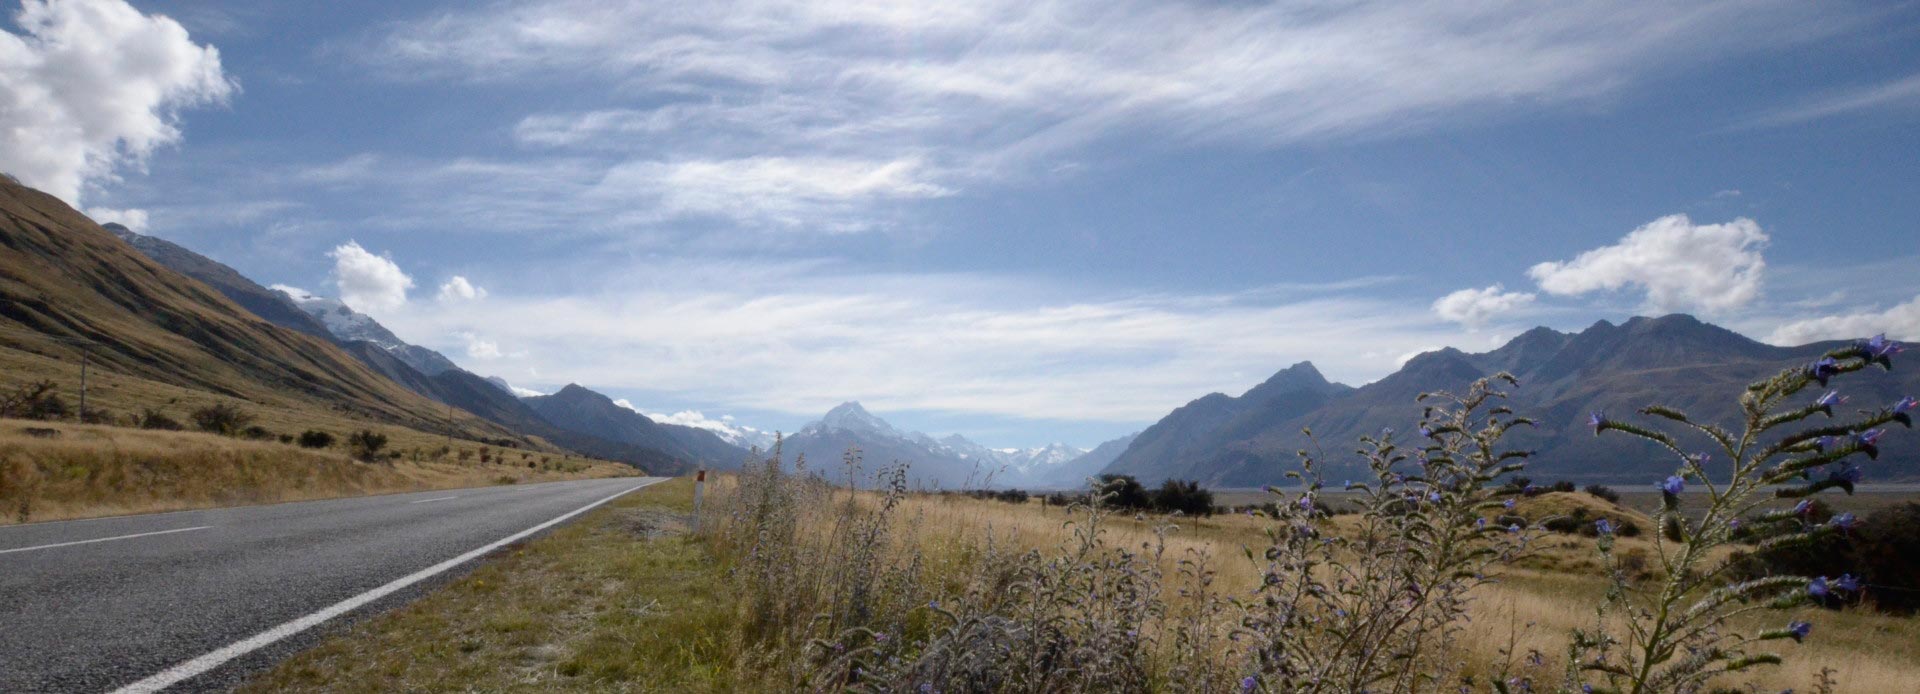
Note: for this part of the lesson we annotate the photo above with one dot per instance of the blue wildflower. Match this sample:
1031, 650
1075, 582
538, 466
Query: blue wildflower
1508, 504
1906, 403
1597, 420
1426, 431
1513, 528
1672, 486
1306, 503
1844, 521
1479, 523
1803, 508
1248, 683
1869, 441
1433, 497
1826, 402
1881, 348
1846, 473
1823, 369
1817, 587
1733, 524
1604, 526
1846, 583
1799, 630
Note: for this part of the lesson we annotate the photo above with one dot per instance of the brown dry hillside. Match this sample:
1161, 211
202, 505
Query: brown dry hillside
64, 278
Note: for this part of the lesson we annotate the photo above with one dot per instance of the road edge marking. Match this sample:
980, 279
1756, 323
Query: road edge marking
442, 498
103, 539
205, 663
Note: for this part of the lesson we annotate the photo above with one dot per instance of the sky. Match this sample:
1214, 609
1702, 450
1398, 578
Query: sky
1025, 221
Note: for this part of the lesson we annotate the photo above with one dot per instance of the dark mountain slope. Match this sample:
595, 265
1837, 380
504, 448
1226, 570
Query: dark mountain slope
1673, 360
580, 410
263, 302
1183, 444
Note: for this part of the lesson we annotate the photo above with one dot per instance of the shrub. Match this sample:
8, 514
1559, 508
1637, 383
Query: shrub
1124, 492
35, 400
1888, 547
256, 433
151, 418
365, 444
1185, 497
1603, 493
315, 438
97, 416
221, 418
1561, 486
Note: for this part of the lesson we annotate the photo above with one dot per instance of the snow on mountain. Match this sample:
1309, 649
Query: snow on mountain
724, 427
348, 325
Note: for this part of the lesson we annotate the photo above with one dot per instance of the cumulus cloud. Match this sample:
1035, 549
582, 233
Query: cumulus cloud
92, 86
368, 282
134, 219
1901, 322
460, 289
1474, 307
1680, 265
479, 347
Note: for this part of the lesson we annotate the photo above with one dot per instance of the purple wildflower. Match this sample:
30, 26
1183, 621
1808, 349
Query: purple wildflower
1825, 443
1433, 497
1799, 630
1672, 486
1823, 369
1803, 508
1906, 403
1826, 402
1248, 683
1846, 583
1844, 521
1597, 420
1479, 523
1733, 524
1306, 504
1508, 504
1513, 528
1604, 526
1869, 441
1880, 347
1426, 431
1817, 587
1845, 473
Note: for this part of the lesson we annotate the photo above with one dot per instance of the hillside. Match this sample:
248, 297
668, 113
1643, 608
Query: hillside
1675, 360
580, 410
65, 279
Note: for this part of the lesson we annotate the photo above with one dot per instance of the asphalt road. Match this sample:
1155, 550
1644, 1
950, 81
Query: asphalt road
98, 605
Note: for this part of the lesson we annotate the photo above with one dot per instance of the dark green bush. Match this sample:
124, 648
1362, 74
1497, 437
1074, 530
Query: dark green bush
365, 444
157, 420
1185, 497
34, 401
221, 418
315, 438
1602, 492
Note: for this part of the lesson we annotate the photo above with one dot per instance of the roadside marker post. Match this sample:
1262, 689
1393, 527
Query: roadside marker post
699, 491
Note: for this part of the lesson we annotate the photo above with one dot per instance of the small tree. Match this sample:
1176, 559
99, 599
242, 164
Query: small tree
366, 444
1125, 492
221, 418
315, 438
34, 401
1183, 496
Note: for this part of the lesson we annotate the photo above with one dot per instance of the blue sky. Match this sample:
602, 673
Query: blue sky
1022, 221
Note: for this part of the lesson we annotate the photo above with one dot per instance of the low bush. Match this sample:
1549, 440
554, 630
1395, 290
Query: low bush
35, 400
221, 418
1603, 493
315, 438
154, 419
365, 444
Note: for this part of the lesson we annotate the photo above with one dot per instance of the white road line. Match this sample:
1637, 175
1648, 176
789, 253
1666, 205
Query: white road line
198, 666
103, 539
422, 501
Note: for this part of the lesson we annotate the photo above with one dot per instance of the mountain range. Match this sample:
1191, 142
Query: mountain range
1675, 360
947, 463
576, 418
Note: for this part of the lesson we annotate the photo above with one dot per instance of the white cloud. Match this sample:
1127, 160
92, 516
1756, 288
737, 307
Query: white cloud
800, 339
459, 289
524, 392
1899, 94
842, 113
91, 86
1680, 265
368, 282
1474, 307
480, 348
135, 219
1901, 322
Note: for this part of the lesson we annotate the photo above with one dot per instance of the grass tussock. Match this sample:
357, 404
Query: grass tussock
51, 471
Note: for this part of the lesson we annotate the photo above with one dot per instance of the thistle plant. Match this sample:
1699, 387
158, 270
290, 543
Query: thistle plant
1681, 633
1372, 608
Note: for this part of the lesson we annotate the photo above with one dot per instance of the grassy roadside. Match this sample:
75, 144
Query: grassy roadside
621, 600
74, 471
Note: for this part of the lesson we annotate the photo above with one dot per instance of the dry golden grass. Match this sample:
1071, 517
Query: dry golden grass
87, 471
503, 629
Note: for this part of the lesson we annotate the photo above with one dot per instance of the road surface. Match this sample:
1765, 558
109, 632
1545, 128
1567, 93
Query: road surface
196, 600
